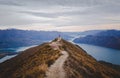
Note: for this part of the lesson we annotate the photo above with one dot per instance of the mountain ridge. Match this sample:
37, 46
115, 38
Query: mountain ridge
34, 63
11, 38
109, 38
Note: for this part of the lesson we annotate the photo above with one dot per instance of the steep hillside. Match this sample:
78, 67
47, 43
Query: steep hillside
109, 33
116, 67
56, 59
31, 63
110, 39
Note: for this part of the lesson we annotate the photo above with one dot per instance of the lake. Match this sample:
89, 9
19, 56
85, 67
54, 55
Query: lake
100, 53
19, 49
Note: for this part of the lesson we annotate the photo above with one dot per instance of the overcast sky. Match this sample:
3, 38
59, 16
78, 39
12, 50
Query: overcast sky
61, 15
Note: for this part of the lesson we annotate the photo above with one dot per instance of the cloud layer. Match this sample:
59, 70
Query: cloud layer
61, 15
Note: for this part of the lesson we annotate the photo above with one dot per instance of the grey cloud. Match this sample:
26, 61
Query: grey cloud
9, 2
77, 12
52, 15
41, 14
70, 2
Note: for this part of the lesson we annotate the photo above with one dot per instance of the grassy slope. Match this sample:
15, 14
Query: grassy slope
31, 63
116, 67
82, 65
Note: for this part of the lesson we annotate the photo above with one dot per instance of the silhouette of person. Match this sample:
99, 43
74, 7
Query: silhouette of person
59, 36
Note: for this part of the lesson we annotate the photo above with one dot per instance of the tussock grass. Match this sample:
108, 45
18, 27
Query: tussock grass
32, 63
82, 65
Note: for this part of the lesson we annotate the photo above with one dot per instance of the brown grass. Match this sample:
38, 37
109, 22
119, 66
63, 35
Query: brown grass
82, 65
32, 63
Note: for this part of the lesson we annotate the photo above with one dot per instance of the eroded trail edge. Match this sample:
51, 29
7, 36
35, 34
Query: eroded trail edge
56, 70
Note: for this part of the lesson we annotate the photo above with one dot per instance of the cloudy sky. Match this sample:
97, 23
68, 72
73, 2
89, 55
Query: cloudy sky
60, 15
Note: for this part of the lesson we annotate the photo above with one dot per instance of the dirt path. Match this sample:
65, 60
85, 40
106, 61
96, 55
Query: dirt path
56, 70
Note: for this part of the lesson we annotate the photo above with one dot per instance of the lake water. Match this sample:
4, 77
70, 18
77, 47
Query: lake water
100, 53
7, 57
19, 49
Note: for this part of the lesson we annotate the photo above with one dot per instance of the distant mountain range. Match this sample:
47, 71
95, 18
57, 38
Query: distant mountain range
11, 38
108, 38
90, 32
17, 38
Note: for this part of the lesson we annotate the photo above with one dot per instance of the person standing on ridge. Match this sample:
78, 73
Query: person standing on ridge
59, 37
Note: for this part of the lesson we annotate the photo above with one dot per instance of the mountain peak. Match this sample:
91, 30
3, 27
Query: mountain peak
56, 59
